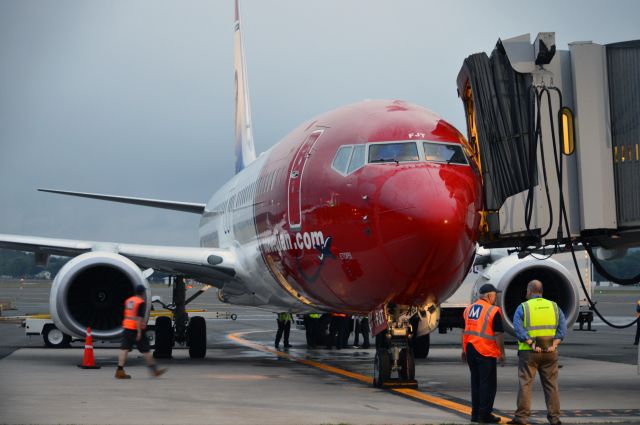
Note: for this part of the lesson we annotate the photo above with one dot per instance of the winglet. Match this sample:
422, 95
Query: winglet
245, 150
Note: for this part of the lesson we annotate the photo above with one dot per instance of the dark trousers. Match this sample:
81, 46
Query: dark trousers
637, 332
484, 383
311, 330
337, 332
362, 327
284, 326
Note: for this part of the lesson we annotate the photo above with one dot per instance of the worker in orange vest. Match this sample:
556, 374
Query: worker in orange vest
482, 345
134, 333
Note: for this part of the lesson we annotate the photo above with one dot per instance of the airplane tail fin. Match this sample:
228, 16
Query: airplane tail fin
245, 150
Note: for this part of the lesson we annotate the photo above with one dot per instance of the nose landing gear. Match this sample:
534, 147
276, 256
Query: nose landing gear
394, 352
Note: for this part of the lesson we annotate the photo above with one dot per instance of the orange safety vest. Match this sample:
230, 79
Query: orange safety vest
478, 328
339, 314
131, 312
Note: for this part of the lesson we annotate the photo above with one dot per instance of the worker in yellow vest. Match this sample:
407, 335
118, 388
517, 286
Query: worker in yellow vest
635, 342
311, 329
482, 346
284, 327
540, 326
133, 325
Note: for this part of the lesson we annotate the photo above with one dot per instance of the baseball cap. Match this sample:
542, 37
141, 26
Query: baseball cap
486, 288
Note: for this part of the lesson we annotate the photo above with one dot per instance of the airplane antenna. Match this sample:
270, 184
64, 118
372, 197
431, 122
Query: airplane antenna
245, 150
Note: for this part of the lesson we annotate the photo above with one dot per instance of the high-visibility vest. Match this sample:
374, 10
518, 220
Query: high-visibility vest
285, 317
314, 315
131, 312
339, 314
478, 328
541, 318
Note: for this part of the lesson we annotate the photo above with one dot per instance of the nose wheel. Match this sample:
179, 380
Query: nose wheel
394, 349
396, 359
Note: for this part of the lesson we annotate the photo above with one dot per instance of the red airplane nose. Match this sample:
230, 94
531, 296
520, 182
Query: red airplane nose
427, 222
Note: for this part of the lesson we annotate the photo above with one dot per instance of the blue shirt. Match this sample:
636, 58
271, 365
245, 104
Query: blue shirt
521, 333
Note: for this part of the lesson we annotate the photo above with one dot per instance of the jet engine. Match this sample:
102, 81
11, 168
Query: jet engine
90, 290
511, 274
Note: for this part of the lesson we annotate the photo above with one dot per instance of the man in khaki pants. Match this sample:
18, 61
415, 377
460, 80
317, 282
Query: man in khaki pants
540, 326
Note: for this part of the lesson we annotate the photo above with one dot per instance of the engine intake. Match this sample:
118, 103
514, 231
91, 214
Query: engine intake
511, 275
90, 290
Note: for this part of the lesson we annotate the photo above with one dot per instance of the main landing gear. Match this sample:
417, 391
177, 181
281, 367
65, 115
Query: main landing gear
395, 349
179, 328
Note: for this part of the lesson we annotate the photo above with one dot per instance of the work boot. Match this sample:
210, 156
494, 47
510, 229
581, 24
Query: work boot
120, 374
489, 419
157, 372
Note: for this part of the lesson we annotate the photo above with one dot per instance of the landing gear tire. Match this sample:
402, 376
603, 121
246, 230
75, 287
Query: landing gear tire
54, 337
421, 346
381, 367
197, 337
407, 370
164, 338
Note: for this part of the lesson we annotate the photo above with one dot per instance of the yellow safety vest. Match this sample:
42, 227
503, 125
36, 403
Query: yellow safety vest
541, 318
314, 315
285, 317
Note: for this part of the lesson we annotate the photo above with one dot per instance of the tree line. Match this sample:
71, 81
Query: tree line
18, 264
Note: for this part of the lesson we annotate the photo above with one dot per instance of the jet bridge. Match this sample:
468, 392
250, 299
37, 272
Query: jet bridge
555, 135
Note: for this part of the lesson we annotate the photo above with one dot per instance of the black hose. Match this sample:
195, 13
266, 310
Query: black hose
565, 219
563, 212
600, 268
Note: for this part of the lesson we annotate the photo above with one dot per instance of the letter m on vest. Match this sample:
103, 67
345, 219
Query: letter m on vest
475, 311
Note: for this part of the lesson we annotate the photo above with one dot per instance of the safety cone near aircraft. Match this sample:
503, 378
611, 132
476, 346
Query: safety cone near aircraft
88, 361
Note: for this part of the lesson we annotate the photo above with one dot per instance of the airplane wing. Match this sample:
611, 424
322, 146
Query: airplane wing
155, 203
213, 266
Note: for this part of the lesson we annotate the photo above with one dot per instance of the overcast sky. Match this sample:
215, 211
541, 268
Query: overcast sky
135, 98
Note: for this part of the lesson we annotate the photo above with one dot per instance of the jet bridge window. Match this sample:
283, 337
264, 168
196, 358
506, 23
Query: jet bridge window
393, 152
443, 152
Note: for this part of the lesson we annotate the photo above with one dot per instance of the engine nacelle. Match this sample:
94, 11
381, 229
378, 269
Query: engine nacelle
511, 275
90, 290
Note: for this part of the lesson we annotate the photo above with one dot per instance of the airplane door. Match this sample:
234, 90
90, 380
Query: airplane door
295, 180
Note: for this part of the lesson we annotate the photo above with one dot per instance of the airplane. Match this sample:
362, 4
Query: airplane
372, 208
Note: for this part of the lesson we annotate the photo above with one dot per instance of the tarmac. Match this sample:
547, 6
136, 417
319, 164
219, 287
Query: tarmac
244, 380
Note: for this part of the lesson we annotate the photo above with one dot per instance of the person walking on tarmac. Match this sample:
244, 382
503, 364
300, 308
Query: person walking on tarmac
134, 333
635, 342
482, 345
284, 327
540, 326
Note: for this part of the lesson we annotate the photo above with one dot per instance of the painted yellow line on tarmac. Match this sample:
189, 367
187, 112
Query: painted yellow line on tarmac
406, 392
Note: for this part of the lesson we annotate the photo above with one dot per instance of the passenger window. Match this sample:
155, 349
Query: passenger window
442, 152
357, 159
393, 152
341, 161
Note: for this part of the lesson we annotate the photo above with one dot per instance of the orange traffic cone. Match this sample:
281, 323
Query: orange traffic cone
88, 362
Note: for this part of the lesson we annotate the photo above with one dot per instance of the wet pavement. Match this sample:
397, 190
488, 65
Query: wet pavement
244, 380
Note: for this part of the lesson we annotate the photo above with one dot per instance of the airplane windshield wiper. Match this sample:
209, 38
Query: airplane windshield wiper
386, 160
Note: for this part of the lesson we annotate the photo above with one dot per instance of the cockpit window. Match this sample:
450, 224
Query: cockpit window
442, 152
341, 161
357, 159
393, 152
